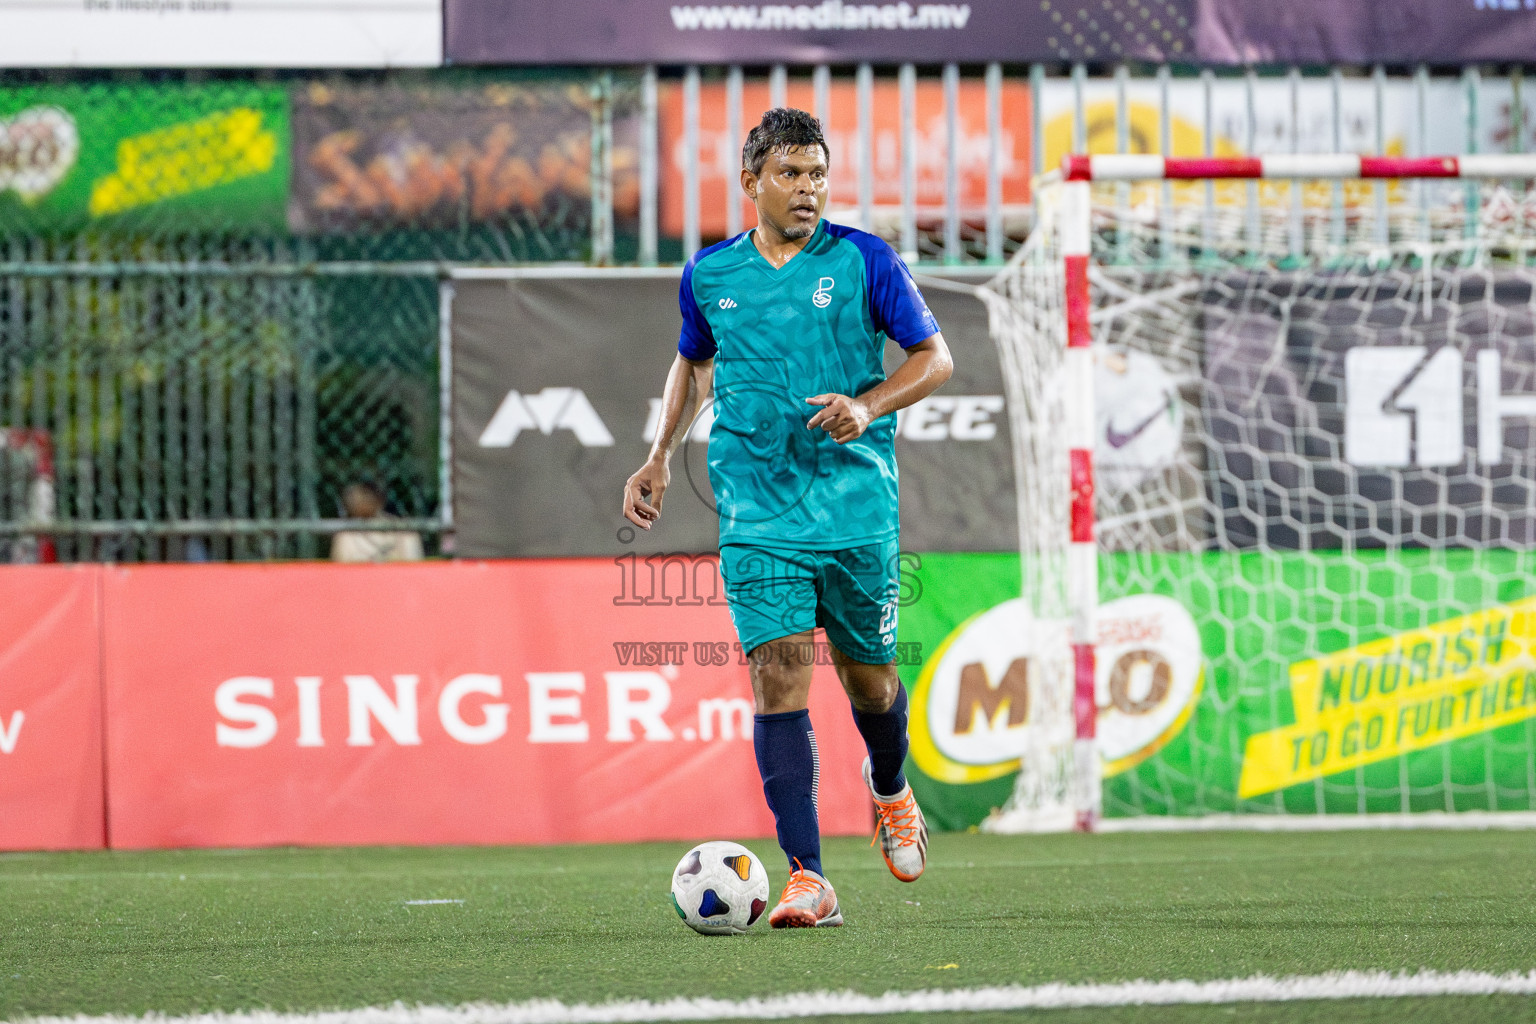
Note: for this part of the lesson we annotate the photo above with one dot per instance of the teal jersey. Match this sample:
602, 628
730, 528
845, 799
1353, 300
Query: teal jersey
778, 336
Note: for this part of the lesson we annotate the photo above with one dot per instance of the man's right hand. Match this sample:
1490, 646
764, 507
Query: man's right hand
643, 492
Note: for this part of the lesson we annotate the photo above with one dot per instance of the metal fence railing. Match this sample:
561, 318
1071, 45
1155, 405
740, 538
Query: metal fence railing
218, 296
939, 160
193, 413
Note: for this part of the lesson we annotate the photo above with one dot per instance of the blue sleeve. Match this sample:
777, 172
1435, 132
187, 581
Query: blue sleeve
696, 341
895, 304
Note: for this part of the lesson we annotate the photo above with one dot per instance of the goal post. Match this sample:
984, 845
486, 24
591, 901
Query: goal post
1226, 371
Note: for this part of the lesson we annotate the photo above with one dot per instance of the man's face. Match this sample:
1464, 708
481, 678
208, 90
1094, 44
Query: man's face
790, 191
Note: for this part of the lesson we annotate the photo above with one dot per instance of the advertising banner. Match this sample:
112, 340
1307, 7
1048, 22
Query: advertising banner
827, 31
120, 156
554, 701
1390, 31
430, 156
1282, 682
221, 34
1230, 32
1424, 437
557, 384
50, 709
719, 156
528, 702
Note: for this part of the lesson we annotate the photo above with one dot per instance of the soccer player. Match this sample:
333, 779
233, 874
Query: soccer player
787, 324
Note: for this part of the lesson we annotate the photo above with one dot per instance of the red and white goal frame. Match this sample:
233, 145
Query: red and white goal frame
1074, 219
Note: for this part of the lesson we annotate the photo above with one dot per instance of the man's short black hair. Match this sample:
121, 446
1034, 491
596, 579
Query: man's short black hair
781, 128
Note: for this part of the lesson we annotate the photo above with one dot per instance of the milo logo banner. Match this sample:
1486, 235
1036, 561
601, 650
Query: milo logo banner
130, 156
1241, 683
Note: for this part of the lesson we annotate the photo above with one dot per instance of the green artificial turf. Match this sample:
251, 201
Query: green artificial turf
303, 929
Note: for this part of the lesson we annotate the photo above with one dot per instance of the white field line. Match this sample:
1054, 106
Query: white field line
1256, 989
1453, 820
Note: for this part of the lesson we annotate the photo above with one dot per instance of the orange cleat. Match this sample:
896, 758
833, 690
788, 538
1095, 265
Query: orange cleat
902, 833
808, 902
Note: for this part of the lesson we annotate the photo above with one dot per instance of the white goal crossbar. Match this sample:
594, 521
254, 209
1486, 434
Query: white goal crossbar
1322, 166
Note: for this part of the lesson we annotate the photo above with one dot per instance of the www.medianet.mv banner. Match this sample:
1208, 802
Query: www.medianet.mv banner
830, 31
1230, 32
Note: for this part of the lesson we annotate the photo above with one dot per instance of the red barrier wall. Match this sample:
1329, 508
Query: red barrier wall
50, 709
437, 703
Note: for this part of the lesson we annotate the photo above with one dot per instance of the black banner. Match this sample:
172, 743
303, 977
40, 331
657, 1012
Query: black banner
1345, 411
556, 384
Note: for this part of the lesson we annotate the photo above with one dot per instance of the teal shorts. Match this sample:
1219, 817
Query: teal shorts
852, 594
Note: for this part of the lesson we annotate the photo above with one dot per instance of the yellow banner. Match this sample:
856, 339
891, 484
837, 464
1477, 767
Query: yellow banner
186, 158
1400, 693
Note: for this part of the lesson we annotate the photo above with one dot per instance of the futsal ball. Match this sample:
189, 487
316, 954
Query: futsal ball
720, 888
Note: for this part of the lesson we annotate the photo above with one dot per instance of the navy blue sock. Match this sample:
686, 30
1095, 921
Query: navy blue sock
885, 734
791, 771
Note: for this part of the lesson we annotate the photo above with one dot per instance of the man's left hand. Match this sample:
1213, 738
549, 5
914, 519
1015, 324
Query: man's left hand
843, 417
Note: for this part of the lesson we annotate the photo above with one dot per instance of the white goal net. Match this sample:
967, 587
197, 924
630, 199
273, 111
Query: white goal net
1313, 457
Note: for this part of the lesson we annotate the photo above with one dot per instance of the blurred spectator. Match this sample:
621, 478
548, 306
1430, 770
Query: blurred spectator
364, 500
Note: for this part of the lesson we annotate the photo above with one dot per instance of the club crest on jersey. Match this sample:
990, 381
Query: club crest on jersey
822, 296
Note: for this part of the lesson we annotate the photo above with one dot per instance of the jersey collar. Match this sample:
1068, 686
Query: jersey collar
762, 261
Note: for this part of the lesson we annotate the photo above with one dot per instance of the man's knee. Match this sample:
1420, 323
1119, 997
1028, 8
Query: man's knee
781, 677
871, 688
